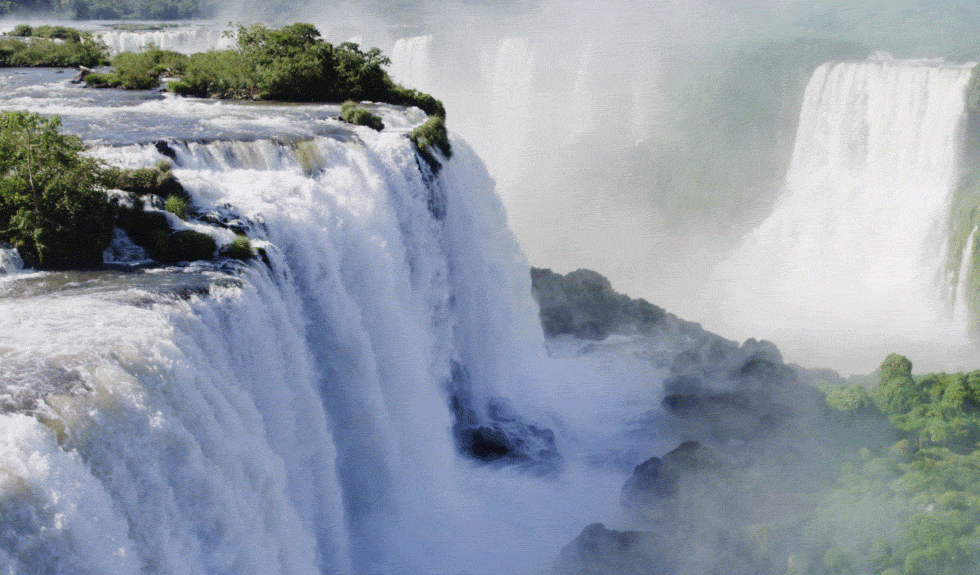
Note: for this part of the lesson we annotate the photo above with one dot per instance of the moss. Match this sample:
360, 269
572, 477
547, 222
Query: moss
159, 181
432, 133
351, 113
188, 245
148, 229
240, 249
177, 206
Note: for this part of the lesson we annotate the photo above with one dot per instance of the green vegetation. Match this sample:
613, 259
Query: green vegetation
177, 206
53, 206
142, 27
917, 501
112, 9
140, 70
158, 180
240, 248
432, 134
294, 64
48, 32
151, 230
351, 113
51, 46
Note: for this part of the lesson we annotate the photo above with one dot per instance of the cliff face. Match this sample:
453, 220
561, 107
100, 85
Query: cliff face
582, 303
754, 450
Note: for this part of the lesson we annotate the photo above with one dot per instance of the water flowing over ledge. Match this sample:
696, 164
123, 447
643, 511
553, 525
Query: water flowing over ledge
854, 252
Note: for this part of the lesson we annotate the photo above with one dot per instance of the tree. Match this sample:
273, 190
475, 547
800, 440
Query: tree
53, 206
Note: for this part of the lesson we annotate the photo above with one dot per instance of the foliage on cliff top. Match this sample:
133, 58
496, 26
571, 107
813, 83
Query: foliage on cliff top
53, 205
919, 499
351, 113
432, 134
295, 64
140, 70
51, 46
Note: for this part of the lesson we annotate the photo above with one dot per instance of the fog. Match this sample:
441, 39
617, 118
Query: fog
646, 140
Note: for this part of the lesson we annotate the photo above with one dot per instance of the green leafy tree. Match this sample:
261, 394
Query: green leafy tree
53, 205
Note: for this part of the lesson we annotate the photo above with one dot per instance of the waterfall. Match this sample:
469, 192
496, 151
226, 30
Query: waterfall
186, 40
962, 307
291, 415
852, 256
410, 62
10, 261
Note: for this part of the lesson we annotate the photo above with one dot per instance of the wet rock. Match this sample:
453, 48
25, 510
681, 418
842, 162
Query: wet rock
601, 551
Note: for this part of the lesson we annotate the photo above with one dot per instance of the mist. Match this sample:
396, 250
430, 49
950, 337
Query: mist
647, 140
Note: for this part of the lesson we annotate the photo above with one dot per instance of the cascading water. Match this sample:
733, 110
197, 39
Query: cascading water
186, 40
410, 62
296, 415
851, 260
962, 307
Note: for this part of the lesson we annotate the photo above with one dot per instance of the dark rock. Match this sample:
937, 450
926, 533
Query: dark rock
82, 72
499, 435
598, 550
164, 148
226, 216
582, 303
662, 477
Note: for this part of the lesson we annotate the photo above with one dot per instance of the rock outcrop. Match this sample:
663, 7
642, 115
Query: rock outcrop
582, 303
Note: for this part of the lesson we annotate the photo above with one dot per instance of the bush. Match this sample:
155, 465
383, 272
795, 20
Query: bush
21, 30
52, 46
100, 80
218, 74
240, 249
432, 133
53, 205
351, 113
294, 64
142, 70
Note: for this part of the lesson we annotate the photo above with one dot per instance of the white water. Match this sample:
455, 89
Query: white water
411, 63
184, 39
963, 276
851, 262
299, 422
10, 261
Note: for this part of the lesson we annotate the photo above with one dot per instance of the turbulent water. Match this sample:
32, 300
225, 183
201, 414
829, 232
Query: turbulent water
852, 260
294, 416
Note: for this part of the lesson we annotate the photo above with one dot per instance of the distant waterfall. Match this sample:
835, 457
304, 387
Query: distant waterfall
410, 62
510, 100
962, 308
854, 251
184, 40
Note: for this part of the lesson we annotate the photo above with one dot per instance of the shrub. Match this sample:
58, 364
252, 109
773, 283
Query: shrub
216, 73
100, 80
351, 113
177, 206
142, 70
21, 30
240, 248
53, 206
294, 63
432, 133
77, 49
